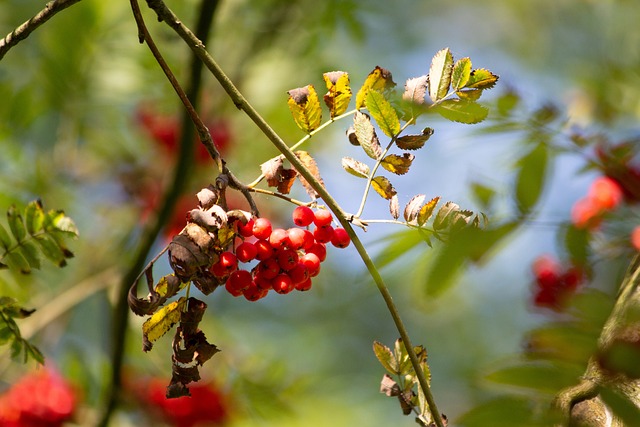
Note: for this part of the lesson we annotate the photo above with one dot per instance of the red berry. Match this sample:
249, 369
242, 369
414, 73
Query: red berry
264, 250
232, 290
605, 193
261, 281
279, 238
303, 216
254, 293
239, 280
246, 251
296, 237
262, 228
245, 230
312, 262
228, 261
269, 268
635, 238
299, 273
547, 271
287, 259
319, 249
322, 217
282, 284
340, 238
323, 234
304, 286
309, 240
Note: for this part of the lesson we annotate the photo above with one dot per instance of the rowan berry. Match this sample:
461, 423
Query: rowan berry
232, 290
309, 240
279, 238
282, 284
287, 259
264, 250
246, 251
228, 261
239, 280
322, 217
254, 293
304, 286
245, 230
261, 228
303, 216
312, 262
219, 270
299, 273
319, 249
323, 234
269, 268
261, 281
296, 238
340, 238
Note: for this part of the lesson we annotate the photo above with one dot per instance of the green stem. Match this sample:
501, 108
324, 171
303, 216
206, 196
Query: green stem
165, 14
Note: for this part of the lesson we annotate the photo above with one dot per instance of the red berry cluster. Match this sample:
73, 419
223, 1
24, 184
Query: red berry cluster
39, 399
287, 259
553, 284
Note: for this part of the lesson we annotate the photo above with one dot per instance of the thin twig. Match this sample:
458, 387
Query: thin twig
24, 30
166, 15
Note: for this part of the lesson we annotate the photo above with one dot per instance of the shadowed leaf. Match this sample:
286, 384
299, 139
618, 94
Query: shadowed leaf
366, 135
161, 322
16, 223
34, 217
531, 177
414, 142
277, 176
462, 111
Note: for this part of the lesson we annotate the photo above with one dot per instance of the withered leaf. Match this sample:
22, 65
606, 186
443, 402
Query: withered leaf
412, 209
355, 167
427, 210
398, 164
440, 74
383, 187
414, 142
394, 207
366, 135
415, 89
339, 94
351, 135
305, 108
309, 163
207, 197
379, 79
444, 215
277, 176
160, 323
389, 386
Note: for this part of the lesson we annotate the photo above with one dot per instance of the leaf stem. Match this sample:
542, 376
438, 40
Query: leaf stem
165, 14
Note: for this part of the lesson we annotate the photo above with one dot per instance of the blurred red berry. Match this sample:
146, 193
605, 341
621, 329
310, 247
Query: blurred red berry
585, 214
605, 193
635, 238
546, 270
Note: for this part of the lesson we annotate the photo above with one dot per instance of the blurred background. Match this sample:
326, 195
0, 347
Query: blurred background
89, 124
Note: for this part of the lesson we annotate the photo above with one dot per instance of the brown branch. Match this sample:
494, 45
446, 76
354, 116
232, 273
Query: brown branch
24, 30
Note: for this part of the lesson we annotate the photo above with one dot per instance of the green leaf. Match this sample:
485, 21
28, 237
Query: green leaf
366, 135
440, 74
356, 168
414, 142
531, 176
51, 249
542, 378
461, 73
621, 406
30, 251
400, 244
462, 111
397, 164
16, 261
34, 217
379, 79
483, 194
401, 355
481, 79
16, 224
5, 335
305, 108
56, 220
383, 187
5, 239
339, 92
161, 322
33, 352
385, 357
383, 113
576, 243
508, 411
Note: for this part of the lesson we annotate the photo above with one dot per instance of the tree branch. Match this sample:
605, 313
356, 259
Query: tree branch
24, 30
166, 15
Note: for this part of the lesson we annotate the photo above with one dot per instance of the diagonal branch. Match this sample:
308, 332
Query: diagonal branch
24, 30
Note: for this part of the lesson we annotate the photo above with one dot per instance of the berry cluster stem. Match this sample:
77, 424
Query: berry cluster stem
165, 14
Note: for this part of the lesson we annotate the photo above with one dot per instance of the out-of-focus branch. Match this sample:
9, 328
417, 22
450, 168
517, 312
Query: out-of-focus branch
24, 30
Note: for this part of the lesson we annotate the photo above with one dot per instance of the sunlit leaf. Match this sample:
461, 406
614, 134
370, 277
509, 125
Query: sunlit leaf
34, 217
427, 210
56, 220
16, 223
461, 73
355, 167
366, 135
481, 79
385, 357
383, 187
415, 90
414, 142
531, 176
397, 164
412, 209
161, 322
440, 74
383, 113
311, 165
379, 79
462, 111
305, 108
339, 94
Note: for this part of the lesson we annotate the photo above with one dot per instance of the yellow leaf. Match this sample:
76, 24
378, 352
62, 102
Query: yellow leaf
162, 321
397, 164
481, 79
379, 79
440, 74
339, 94
383, 187
305, 108
427, 210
